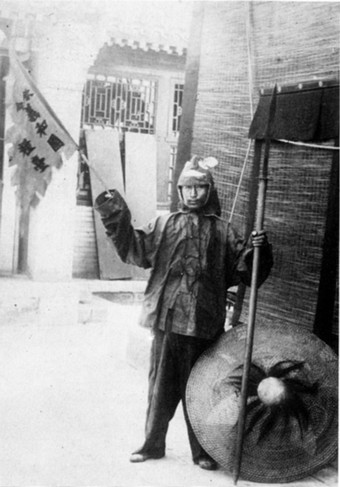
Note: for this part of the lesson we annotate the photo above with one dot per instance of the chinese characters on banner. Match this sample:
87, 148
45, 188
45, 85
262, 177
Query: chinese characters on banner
37, 137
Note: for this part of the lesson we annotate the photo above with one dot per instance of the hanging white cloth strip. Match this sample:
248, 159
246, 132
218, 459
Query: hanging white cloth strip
304, 144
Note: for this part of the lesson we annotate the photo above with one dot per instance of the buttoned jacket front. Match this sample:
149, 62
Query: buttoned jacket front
194, 257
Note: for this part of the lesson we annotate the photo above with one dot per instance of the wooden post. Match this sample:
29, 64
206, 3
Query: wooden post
330, 258
4, 67
189, 98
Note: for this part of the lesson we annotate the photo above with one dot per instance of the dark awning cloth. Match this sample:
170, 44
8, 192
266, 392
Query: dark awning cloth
308, 112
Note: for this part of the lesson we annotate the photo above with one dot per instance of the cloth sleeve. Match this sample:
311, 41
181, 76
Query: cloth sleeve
134, 246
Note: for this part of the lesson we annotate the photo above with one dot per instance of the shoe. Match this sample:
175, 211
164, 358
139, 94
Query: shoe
142, 457
207, 463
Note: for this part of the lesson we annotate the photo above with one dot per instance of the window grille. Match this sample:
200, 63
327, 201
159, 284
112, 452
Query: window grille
128, 104
175, 126
177, 108
173, 154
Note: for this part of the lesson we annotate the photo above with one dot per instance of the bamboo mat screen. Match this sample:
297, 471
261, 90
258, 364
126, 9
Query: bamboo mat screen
295, 219
246, 46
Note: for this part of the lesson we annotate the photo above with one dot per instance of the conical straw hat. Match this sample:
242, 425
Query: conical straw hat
291, 418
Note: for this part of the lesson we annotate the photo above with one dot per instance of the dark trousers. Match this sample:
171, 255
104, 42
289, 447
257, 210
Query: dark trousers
172, 358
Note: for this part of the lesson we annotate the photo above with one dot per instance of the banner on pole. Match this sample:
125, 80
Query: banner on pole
38, 137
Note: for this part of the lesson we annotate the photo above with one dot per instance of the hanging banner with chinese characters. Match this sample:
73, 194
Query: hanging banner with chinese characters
38, 137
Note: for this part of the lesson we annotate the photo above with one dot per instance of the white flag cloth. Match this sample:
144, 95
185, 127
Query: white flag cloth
38, 137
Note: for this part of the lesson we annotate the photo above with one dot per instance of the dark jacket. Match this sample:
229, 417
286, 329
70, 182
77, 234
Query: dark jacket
194, 258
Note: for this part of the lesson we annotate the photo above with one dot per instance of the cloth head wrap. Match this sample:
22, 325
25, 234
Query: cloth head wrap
197, 172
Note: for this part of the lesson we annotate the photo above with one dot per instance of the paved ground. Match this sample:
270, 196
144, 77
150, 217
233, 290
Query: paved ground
73, 399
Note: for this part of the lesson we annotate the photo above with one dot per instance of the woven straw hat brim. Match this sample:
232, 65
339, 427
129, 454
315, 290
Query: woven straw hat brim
278, 447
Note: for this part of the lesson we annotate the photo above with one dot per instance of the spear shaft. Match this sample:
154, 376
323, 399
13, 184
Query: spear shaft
263, 180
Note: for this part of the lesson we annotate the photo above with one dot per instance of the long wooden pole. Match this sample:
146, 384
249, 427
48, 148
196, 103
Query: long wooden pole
263, 180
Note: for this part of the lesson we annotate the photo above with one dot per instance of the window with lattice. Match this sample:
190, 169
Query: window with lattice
127, 104
177, 108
